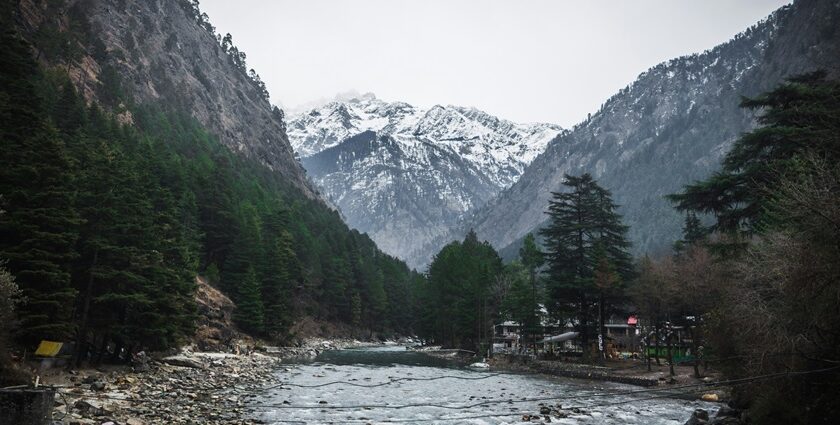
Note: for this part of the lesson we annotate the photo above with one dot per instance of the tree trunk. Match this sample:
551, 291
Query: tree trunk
102, 347
536, 317
115, 356
656, 346
584, 330
694, 350
669, 343
81, 335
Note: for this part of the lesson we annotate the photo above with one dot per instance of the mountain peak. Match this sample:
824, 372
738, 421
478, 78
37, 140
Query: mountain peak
502, 147
395, 169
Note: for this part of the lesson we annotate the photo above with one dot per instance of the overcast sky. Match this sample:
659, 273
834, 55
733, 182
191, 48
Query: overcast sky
525, 60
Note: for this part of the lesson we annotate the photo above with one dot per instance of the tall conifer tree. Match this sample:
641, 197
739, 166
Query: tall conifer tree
39, 227
584, 235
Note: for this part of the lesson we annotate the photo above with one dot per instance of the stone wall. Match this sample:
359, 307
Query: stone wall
27, 406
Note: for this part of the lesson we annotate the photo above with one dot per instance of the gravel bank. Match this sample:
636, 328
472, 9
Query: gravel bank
188, 388
209, 388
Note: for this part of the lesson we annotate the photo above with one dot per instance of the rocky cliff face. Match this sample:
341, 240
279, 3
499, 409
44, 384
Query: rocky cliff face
162, 54
406, 175
668, 128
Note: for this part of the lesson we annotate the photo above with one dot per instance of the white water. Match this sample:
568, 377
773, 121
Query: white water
503, 393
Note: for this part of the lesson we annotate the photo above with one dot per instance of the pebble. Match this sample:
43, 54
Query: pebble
179, 389
168, 394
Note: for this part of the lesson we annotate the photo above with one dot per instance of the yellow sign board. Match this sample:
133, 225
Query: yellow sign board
48, 348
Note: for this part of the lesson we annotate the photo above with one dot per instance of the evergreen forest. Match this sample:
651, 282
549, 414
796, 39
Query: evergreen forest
105, 225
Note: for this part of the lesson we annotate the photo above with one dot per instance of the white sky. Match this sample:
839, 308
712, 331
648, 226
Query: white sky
525, 60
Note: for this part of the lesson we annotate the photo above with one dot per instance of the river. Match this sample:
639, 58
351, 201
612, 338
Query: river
307, 393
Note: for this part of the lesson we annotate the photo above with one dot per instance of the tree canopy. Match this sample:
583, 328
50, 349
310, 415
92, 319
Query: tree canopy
798, 116
586, 252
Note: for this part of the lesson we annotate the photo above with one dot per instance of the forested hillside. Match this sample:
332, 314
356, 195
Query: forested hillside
669, 127
113, 202
165, 51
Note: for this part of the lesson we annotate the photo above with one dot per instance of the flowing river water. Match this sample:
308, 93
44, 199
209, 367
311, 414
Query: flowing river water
433, 390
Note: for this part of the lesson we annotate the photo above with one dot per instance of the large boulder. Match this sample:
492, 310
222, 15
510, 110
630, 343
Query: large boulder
183, 361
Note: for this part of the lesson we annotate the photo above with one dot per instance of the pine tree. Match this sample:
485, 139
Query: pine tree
568, 243
521, 303
281, 272
69, 110
217, 218
693, 233
377, 300
532, 259
530, 255
460, 278
584, 230
611, 234
173, 261
249, 307
337, 282
356, 310
38, 230
99, 252
239, 275
125, 284
799, 115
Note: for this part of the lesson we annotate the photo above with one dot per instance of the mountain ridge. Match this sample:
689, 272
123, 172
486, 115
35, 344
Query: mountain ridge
395, 170
671, 126
162, 54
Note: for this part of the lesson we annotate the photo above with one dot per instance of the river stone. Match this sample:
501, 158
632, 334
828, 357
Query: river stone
183, 361
699, 417
726, 411
91, 408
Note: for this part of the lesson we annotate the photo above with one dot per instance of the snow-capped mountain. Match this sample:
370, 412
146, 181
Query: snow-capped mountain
502, 148
404, 174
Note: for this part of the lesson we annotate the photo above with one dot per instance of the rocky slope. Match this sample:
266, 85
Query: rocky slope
405, 175
668, 128
163, 55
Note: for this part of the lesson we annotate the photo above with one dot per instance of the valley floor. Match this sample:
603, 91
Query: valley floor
218, 387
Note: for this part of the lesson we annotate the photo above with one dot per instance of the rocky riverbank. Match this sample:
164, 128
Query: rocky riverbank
578, 371
314, 346
187, 388
175, 390
624, 372
633, 375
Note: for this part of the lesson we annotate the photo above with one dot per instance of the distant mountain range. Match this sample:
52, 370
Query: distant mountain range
416, 179
406, 175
